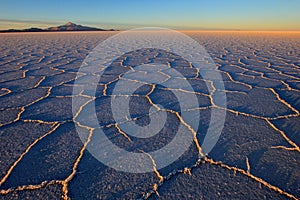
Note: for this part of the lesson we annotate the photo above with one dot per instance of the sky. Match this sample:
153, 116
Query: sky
176, 14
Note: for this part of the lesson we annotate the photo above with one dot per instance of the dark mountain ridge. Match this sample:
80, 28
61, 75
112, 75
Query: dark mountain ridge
66, 27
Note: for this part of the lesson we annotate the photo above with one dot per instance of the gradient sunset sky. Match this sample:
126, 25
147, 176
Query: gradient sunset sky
177, 14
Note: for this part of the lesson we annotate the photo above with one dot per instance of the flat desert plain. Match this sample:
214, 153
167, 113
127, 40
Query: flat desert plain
256, 157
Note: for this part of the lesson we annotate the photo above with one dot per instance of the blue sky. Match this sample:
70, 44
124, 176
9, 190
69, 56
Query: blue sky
178, 14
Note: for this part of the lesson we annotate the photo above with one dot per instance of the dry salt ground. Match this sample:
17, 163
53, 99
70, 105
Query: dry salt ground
256, 157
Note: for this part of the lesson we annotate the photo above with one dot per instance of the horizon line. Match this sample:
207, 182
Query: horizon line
132, 26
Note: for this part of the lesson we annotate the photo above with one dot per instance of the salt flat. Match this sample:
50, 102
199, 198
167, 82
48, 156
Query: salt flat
256, 157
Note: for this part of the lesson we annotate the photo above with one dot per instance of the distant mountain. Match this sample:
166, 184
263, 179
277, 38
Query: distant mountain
23, 30
66, 27
73, 27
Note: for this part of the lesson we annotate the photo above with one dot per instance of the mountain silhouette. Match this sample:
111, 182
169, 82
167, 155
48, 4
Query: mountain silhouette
73, 27
69, 26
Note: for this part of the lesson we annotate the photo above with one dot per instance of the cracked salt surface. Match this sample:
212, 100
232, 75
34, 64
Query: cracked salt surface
257, 155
